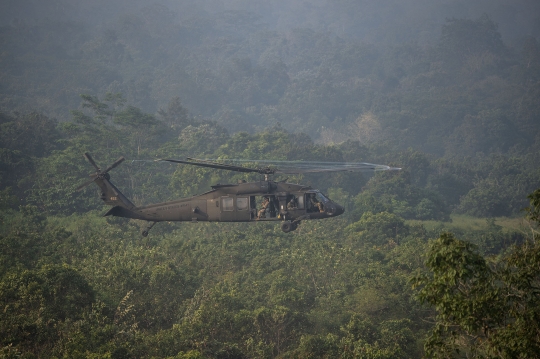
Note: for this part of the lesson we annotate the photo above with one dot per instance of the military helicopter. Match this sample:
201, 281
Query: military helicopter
285, 202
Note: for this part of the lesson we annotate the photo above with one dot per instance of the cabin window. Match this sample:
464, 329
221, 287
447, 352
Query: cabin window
242, 203
292, 203
228, 204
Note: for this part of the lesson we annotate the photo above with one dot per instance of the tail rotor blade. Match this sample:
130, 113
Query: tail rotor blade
118, 161
85, 184
91, 160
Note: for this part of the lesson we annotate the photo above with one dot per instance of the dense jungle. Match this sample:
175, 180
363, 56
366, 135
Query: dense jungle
440, 259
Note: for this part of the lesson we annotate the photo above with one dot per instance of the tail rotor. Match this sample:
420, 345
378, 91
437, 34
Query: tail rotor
99, 173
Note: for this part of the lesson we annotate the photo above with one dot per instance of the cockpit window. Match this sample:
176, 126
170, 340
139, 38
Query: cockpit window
321, 197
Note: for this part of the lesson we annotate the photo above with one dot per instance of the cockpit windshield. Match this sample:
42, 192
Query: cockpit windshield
321, 197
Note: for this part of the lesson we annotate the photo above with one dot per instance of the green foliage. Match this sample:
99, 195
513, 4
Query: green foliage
379, 228
37, 302
176, 116
7, 199
24, 141
395, 193
533, 211
360, 339
33, 134
483, 309
204, 139
25, 240
496, 194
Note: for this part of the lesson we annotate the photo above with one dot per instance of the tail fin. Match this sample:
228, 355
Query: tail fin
111, 195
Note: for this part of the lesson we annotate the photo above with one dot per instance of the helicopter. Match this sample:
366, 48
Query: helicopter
283, 202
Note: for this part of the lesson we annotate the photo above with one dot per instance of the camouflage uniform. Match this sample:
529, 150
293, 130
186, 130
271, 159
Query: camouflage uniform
264, 206
317, 204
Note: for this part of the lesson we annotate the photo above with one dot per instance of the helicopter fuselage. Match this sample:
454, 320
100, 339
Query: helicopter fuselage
240, 203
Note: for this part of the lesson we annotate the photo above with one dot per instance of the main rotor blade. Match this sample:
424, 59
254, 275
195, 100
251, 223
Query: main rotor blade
288, 167
91, 160
201, 163
118, 161
344, 167
298, 167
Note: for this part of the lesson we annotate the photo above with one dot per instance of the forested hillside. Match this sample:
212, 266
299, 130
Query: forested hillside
439, 259
331, 71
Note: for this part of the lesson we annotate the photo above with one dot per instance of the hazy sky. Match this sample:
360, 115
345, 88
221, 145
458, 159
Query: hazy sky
369, 20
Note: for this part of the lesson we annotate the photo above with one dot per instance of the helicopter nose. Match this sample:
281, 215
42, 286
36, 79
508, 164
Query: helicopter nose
335, 209
339, 210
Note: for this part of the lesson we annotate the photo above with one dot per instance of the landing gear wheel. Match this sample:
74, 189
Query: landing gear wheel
145, 232
287, 226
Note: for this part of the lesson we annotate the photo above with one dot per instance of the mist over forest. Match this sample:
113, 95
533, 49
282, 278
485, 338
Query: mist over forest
320, 67
440, 259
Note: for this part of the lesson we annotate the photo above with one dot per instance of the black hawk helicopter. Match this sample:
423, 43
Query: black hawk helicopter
281, 201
